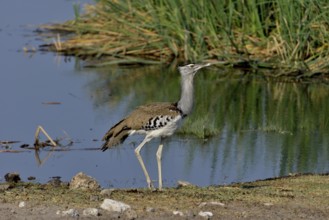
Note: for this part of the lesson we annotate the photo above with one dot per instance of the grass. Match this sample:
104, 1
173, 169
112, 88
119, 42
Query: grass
291, 36
243, 103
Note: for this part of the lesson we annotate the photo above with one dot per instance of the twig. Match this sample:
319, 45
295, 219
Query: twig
37, 156
36, 136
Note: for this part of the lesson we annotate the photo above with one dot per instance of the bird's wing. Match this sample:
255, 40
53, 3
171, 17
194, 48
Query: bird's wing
144, 113
145, 117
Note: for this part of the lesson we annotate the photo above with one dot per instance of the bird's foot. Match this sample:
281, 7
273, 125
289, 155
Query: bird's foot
150, 186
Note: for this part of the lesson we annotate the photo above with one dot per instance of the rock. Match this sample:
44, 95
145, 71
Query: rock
31, 178
268, 204
69, 212
182, 183
12, 177
82, 181
114, 206
55, 181
90, 212
178, 213
21, 204
205, 214
107, 192
211, 204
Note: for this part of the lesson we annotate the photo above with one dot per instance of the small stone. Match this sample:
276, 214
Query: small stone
21, 204
114, 206
205, 214
90, 212
211, 204
55, 181
31, 178
69, 212
268, 204
12, 177
107, 192
182, 183
84, 182
178, 213
24, 146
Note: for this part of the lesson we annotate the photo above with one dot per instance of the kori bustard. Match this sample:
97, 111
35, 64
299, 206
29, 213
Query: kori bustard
156, 120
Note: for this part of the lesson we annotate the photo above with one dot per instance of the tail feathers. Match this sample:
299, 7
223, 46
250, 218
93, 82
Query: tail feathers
116, 135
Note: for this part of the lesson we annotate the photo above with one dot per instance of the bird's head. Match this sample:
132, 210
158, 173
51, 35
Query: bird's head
191, 69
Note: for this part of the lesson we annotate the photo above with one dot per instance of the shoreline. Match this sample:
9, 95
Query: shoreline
292, 197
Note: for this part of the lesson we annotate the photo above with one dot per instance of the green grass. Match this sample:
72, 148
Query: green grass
291, 36
244, 103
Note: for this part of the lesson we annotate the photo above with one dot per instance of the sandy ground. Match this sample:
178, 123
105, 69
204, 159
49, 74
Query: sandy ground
295, 197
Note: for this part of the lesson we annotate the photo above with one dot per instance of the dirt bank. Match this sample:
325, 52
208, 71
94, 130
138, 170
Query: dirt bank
294, 197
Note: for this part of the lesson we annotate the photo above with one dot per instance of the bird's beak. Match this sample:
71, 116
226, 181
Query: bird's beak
203, 65
206, 64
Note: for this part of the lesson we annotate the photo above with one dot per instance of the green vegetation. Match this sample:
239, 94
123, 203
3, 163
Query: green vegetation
290, 119
291, 36
243, 103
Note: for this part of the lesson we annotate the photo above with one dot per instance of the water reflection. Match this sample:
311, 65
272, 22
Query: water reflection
251, 128
243, 127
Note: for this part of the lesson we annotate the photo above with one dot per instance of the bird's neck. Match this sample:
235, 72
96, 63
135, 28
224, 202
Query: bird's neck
185, 104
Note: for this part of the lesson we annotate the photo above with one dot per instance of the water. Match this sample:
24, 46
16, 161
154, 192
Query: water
262, 129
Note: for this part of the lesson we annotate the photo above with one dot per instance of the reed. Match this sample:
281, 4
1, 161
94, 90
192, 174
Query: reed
237, 106
292, 36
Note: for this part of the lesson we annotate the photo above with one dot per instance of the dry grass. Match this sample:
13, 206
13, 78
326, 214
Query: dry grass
258, 34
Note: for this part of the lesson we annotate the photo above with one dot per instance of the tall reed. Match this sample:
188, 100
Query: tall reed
289, 35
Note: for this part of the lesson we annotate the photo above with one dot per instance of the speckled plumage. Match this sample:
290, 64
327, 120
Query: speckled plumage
155, 120
143, 119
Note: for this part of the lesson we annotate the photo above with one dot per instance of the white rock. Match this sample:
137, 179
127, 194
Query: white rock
211, 204
182, 183
90, 212
114, 206
69, 212
205, 214
268, 204
21, 204
178, 213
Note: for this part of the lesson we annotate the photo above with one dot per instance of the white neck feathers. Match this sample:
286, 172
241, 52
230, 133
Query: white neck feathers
185, 104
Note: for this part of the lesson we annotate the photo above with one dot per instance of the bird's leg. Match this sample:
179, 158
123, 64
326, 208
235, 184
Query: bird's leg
139, 157
159, 155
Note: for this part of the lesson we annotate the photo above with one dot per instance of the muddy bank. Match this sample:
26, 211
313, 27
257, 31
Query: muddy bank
294, 197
